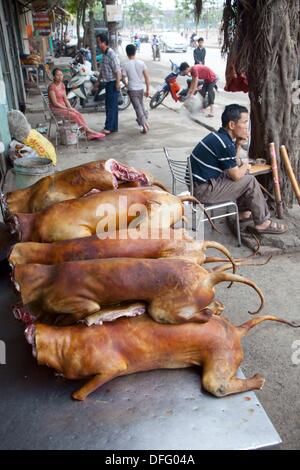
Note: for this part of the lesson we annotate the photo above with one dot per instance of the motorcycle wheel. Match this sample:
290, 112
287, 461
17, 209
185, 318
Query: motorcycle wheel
158, 98
126, 100
73, 101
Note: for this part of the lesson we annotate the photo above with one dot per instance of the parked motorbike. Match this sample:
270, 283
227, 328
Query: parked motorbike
63, 49
86, 88
171, 86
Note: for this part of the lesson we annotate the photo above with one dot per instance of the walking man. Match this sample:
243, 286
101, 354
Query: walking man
111, 74
136, 72
201, 72
219, 177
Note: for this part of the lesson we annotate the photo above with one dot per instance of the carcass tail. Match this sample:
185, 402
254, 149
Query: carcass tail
216, 278
196, 201
160, 185
223, 249
237, 262
245, 327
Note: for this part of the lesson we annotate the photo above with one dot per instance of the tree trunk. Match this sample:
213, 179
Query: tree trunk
78, 22
92, 38
274, 111
112, 27
262, 39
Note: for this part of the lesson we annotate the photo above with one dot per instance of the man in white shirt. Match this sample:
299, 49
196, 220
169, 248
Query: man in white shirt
136, 72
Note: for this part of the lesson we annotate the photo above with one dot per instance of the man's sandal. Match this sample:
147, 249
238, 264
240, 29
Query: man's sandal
275, 228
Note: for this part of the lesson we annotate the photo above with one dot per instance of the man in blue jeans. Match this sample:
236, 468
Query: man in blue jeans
111, 74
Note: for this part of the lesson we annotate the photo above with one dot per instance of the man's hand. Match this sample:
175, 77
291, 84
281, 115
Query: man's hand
237, 173
147, 93
241, 142
118, 86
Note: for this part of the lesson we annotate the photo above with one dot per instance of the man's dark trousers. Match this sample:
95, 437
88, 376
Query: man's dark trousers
111, 106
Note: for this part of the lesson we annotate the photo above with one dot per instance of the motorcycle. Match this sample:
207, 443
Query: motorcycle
63, 49
171, 86
86, 88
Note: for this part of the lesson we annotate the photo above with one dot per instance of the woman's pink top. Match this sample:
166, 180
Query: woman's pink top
59, 93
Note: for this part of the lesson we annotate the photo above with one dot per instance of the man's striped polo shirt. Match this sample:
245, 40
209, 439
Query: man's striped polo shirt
213, 155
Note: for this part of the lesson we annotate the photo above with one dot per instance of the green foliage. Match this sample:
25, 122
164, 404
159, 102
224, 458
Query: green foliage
99, 11
184, 13
141, 14
71, 6
186, 10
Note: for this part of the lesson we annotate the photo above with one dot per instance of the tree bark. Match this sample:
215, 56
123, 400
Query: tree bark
262, 39
92, 38
274, 115
78, 23
112, 27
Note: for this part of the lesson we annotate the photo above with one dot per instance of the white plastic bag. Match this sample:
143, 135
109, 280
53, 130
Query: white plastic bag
193, 104
19, 150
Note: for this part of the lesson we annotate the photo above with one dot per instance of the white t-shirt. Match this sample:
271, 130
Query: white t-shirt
134, 69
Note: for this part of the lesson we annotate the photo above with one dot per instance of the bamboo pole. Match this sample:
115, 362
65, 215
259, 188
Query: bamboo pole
290, 173
277, 191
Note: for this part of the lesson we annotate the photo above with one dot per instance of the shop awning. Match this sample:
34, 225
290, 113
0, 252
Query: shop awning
39, 4
51, 6
59, 11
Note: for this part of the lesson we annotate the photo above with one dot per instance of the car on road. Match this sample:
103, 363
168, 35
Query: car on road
144, 37
173, 42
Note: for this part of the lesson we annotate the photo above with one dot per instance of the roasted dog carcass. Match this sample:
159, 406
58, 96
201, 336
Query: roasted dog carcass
73, 183
131, 345
180, 244
176, 290
85, 216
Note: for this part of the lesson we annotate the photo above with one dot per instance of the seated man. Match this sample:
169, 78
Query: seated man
218, 178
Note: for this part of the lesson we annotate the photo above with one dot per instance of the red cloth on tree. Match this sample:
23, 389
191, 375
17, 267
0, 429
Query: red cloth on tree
235, 81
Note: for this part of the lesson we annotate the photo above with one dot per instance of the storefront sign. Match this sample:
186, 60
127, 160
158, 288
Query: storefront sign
41, 22
113, 13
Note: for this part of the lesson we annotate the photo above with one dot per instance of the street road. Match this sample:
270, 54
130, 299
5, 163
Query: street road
159, 69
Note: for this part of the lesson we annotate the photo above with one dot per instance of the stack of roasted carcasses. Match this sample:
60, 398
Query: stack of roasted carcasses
109, 287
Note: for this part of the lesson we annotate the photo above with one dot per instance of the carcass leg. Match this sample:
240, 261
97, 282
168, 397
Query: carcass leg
221, 384
77, 307
96, 382
92, 385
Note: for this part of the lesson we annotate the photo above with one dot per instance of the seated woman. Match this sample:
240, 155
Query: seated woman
61, 106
